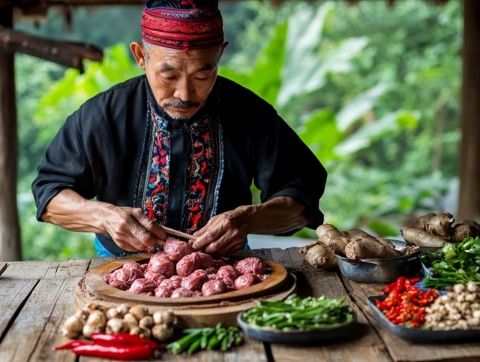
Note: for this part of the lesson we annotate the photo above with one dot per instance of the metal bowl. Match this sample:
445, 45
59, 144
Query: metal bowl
380, 270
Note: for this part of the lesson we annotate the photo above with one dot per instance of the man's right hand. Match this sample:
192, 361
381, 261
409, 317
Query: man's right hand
131, 230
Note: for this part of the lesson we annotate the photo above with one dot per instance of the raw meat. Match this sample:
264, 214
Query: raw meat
176, 249
251, 265
123, 278
195, 280
181, 293
197, 273
206, 260
164, 291
141, 285
169, 282
212, 276
214, 287
227, 271
156, 278
244, 281
159, 263
188, 264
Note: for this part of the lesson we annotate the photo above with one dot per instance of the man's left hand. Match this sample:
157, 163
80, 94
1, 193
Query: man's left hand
224, 233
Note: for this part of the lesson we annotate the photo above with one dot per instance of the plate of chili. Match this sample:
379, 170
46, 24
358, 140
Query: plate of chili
418, 334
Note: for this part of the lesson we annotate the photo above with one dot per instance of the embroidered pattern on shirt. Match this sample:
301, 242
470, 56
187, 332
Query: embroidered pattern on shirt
203, 178
205, 172
158, 176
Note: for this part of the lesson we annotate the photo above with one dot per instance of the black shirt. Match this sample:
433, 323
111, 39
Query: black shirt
104, 151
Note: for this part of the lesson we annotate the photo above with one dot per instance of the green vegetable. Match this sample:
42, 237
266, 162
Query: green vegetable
195, 339
295, 313
453, 264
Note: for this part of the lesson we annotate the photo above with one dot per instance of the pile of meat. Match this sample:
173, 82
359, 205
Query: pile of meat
179, 272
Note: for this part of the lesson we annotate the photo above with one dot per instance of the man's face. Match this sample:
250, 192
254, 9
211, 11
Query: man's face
181, 81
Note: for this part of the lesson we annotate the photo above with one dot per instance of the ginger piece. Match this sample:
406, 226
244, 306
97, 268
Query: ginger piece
421, 237
436, 224
368, 248
319, 255
358, 234
331, 237
465, 229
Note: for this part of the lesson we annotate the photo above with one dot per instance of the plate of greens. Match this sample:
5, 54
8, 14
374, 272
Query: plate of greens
299, 320
452, 264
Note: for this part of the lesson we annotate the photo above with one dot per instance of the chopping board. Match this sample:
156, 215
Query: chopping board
193, 311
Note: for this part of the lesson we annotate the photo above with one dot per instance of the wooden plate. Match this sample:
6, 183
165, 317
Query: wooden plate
94, 284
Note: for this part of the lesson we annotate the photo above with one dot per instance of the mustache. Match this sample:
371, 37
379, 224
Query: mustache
177, 103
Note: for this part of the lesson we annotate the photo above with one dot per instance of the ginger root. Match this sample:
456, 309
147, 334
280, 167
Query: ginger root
465, 229
367, 248
421, 237
331, 237
319, 255
436, 224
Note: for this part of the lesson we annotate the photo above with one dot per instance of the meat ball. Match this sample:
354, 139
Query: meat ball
176, 249
212, 276
181, 293
206, 260
156, 278
170, 282
123, 278
251, 265
244, 281
195, 280
164, 291
159, 263
141, 286
188, 264
132, 265
227, 271
214, 287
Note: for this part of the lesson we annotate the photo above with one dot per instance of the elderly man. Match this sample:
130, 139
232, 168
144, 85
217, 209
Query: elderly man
179, 147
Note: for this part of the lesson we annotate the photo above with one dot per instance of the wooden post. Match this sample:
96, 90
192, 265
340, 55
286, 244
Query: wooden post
469, 199
10, 248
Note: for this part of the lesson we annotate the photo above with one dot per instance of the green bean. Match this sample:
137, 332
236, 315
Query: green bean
297, 313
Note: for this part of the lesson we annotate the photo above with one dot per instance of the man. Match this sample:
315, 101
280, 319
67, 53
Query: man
178, 147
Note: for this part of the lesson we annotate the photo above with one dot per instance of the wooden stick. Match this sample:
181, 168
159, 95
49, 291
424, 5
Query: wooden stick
177, 233
66, 53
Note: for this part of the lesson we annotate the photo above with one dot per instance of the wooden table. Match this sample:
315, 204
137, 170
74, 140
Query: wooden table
36, 297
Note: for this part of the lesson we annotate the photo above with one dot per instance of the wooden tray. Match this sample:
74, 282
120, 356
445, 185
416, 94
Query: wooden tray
194, 311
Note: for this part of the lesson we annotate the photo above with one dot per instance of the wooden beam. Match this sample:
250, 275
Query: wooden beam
65, 53
469, 200
10, 248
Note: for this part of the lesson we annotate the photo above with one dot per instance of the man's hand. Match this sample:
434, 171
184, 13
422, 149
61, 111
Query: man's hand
131, 230
224, 233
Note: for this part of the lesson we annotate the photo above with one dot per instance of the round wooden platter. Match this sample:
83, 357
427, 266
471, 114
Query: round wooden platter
192, 312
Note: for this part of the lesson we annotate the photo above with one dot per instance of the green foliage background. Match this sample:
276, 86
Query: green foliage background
372, 90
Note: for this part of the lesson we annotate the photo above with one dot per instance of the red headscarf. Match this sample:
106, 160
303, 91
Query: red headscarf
182, 24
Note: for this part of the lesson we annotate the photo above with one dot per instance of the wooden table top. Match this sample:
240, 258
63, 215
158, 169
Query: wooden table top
36, 297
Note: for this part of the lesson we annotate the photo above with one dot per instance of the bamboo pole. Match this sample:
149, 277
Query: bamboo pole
469, 199
10, 248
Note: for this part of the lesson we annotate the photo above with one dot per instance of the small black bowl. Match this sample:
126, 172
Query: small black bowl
335, 333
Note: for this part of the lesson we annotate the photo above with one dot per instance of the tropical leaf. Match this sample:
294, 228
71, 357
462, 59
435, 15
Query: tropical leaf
360, 105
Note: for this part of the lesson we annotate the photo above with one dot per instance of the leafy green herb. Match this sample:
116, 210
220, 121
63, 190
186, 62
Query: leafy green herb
453, 264
295, 313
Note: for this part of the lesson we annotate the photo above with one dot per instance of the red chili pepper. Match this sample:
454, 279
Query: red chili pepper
123, 339
71, 344
404, 303
114, 352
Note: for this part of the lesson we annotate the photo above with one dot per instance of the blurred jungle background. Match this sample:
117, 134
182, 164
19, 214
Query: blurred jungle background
373, 90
